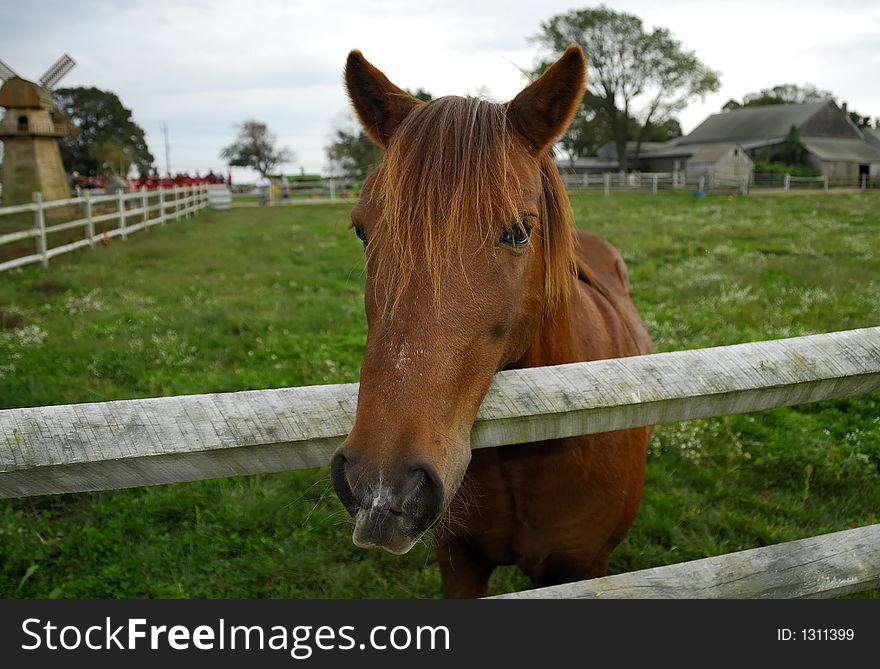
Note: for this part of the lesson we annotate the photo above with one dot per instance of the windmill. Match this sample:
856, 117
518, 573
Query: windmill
30, 131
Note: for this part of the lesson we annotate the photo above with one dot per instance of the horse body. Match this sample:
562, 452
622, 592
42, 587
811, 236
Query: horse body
473, 266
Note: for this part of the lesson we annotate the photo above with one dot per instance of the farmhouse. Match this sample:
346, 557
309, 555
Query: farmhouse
726, 145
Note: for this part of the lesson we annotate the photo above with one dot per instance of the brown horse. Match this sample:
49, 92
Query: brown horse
472, 267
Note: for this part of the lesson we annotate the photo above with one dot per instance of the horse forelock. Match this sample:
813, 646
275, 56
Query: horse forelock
448, 177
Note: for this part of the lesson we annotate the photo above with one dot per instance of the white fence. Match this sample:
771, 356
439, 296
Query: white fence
130, 443
655, 182
131, 212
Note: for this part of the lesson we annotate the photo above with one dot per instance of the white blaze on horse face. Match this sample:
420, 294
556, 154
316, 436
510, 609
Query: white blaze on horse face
402, 357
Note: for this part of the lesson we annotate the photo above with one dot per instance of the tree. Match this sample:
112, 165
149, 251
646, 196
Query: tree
111, 158
781, 94
792, 151
632, 75
590, 130
786, 94
861, 121
255, 148
353, 154
102, 121
731, 105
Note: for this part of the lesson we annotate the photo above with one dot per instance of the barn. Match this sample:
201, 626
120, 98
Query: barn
727, 144
690, 161
835, 146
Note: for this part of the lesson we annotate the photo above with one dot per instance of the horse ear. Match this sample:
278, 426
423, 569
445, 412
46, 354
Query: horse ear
380, 105
542, 111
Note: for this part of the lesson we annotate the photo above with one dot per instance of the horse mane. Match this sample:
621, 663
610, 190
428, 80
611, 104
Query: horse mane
448, 166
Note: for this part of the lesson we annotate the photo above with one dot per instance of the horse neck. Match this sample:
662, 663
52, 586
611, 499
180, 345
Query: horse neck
589, 327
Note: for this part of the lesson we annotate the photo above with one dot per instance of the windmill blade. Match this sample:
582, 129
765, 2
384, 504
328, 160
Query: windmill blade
6, 72
54, 74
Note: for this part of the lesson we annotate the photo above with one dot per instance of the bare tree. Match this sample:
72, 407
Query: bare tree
255, 147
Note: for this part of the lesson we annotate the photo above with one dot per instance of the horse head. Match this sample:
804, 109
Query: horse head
465, 227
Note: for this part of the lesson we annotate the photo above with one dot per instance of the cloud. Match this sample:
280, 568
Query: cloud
204, 66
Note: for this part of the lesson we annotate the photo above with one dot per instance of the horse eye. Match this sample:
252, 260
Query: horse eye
516, 235
359, 231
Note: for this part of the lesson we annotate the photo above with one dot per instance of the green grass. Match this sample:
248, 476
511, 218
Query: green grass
260, 298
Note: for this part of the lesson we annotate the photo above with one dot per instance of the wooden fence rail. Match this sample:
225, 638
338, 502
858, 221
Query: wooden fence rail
140, 442
821, 567
148, 208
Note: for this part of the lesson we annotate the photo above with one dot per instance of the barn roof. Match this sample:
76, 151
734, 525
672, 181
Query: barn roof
872, 135
608, 151
842, 150
753, 125
587, 162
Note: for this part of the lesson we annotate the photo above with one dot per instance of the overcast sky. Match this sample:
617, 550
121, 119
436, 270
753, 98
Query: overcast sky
202, 67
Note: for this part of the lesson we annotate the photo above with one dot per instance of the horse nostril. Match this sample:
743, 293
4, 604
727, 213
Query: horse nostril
339, 477
422, 492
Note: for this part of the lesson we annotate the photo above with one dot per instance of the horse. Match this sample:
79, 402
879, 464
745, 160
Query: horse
473, 265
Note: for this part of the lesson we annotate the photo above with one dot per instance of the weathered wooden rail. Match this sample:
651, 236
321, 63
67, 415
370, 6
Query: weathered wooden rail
127, 443
822, 567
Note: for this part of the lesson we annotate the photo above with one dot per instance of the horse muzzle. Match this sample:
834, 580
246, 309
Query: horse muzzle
392, 506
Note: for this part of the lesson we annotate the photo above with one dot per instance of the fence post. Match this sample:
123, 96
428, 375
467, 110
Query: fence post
786, 182
826, 182
864, 181
606, 183
744, 187
177, 202
654, 184
161, 204
40, 227
90, 224
674, 179
120, 204
145, 215
702, 187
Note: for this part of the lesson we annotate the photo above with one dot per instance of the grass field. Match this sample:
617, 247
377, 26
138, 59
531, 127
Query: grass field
260, 298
